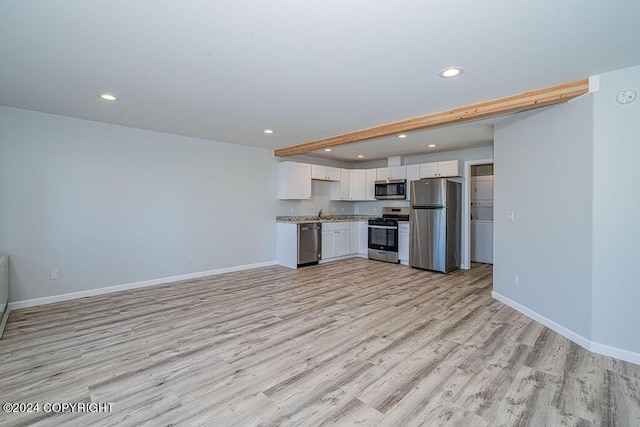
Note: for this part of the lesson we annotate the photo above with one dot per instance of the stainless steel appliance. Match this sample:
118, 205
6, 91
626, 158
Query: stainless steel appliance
309, 243
435, 221
383, 234
391, 189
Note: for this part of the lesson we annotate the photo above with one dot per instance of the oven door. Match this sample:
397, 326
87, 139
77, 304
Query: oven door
383, 237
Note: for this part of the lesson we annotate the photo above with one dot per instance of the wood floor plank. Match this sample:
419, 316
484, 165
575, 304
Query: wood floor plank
354, 342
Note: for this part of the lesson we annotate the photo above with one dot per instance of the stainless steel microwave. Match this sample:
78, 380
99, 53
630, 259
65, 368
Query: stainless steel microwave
391, 189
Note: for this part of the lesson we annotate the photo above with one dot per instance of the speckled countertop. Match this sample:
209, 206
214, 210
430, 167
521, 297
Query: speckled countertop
325, 218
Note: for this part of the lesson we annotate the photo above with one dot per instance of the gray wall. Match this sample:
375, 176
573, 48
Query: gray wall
110, 205
616, 213
570, 174
543, 172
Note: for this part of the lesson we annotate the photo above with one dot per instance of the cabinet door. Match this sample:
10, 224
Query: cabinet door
382, 173
318, 172
357, 184
328, 244
342, 242
429, 170
340, 189
398, 172
294, 180
449, 168
353, 238
403, 242
413, 173
370, 184
333, 174
363, 237
345, 182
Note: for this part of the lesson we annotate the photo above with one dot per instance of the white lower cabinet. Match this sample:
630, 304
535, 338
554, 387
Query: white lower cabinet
363, 239
340, 239
403, 242
336, 239
287, 244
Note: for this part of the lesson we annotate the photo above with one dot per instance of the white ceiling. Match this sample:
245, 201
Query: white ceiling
225, 70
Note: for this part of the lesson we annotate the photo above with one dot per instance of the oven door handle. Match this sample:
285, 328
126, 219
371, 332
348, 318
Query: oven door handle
385, 227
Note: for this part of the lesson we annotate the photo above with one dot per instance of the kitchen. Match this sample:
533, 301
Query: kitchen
138, 148
345, 214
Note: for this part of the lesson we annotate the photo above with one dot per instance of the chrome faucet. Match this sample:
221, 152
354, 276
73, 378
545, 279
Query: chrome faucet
320, 214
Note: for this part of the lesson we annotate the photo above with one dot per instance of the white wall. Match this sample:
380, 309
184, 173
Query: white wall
616, 213
110, 205
543, 173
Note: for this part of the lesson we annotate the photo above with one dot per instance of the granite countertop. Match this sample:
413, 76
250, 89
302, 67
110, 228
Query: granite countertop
325, 218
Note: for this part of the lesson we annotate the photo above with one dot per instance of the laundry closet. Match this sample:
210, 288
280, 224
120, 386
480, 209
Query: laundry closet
482, 213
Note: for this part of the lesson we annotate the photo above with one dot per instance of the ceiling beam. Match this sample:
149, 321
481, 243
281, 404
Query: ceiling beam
511, 104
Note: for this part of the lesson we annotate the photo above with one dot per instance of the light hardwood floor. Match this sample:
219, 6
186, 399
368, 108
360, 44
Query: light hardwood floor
354, 342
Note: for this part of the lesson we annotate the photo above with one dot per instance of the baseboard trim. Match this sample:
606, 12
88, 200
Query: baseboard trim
595, 347
3, 321
135, 285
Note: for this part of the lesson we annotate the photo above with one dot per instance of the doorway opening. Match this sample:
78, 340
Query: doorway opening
477, 211
481, 214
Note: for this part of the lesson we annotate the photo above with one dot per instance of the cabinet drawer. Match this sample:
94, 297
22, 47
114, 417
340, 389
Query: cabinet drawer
335, 226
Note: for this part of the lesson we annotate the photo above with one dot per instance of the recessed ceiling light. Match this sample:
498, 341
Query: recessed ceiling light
268, 131
327, 149
402, 135
360, 156
451, 72
431, 145
108, 97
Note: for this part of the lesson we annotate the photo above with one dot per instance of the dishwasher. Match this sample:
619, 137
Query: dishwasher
309, 243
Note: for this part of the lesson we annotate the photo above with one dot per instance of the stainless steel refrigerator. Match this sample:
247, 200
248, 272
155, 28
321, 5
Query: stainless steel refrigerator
435, 221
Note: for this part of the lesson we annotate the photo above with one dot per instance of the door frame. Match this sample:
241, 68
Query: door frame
466, 211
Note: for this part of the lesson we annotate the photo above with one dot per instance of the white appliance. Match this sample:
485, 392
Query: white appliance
482, 219
482, 241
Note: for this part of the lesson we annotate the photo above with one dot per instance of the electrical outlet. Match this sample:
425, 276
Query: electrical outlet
55, 274
510, 216
291, 208
334, 209
342, 209
192, 257
516, 280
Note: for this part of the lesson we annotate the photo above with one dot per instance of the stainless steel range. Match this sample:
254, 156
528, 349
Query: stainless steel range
383, 234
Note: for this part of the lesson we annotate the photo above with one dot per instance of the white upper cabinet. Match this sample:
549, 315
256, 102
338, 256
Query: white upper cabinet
294, 180
325, 173
340, 190
357, 184
448, 168
370, 184
413, 173
393, 172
